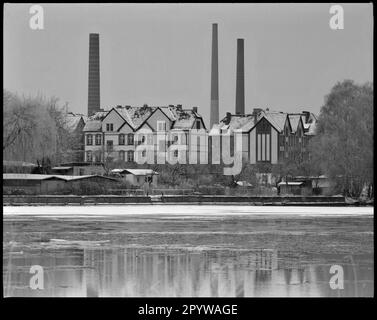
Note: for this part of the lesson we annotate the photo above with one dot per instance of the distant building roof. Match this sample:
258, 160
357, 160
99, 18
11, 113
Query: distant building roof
61, 168
234, 122
72, 120
312, 130
26, 176
135, 172
11, 163
136, 116
277, 119
93, 125
246, 122
290, 183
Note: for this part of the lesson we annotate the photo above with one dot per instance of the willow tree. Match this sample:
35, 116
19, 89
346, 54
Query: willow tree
343, 145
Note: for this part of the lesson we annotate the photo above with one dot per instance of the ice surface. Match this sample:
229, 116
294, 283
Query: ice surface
184, 210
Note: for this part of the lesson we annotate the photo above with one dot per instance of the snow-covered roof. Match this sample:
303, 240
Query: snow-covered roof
277, 119
290, 183
27, 176
136, 116
135, 172
93, 125
312, 129
236, 122
11, 163
72, 120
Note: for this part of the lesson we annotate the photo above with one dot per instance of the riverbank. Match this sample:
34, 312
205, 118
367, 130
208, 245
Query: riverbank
61, 200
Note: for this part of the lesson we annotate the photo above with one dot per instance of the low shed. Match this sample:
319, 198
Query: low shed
31, 183
293, 187
44, 184
137, 177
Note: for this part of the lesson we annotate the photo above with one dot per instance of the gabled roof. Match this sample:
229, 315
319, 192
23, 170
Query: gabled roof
136, 117
277, 119
72, 120
294, 119
94, 122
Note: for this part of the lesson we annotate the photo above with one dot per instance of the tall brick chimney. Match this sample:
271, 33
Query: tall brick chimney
94, 75
214, 116
240, 79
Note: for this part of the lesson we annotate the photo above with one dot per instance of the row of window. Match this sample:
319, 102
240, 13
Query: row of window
121, 139
92, 157
89, 139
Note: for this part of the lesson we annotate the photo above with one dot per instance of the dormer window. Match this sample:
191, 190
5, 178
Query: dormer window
161, 126
198, 124
109, 127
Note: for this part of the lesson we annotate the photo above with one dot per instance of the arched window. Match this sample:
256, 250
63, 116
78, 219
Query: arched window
130, 139
121, 139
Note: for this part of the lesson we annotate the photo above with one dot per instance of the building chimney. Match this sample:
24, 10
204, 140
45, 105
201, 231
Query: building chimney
214, 116
94, 75
240, 79
195, 109
256, 112
307, 115
228, 117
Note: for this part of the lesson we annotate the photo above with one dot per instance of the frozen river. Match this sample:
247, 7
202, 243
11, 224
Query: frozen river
194, 250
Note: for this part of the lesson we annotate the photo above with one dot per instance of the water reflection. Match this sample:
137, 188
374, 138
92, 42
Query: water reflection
147, 271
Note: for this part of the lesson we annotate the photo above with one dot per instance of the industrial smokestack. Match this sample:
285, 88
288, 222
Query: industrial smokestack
214, 117
240, 80
94, 75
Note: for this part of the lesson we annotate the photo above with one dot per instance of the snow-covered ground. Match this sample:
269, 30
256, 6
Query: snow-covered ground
186, 210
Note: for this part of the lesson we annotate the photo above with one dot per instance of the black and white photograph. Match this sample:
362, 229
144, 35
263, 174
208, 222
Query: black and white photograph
185, 150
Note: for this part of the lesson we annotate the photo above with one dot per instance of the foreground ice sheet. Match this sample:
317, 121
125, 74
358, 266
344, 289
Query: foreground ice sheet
193, 250
191, 210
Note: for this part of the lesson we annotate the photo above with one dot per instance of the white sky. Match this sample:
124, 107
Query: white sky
161, 53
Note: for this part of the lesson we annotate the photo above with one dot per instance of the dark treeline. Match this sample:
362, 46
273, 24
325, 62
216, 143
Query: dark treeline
35, 129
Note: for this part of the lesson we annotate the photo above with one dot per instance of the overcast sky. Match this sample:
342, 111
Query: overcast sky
161, 53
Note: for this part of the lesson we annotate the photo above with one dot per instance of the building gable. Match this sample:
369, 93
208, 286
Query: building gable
300, 128
202, 125
287, 127
158, 115
125, 128
114, 118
